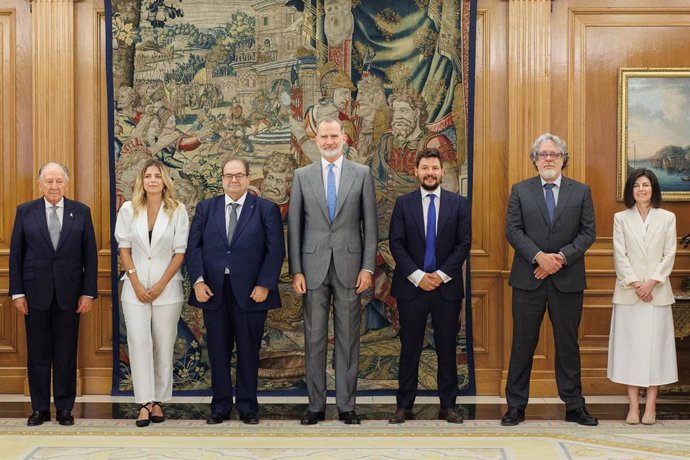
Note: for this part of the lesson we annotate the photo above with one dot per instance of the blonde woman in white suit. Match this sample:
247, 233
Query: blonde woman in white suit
642, 349
151, 233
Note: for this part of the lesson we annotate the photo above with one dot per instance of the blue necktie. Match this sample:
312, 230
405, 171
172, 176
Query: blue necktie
550, 201
331, 197
430, 251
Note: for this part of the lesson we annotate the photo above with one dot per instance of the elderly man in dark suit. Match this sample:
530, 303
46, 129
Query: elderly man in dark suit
550, 224
429, 239
234, 253
53, 270
332, 241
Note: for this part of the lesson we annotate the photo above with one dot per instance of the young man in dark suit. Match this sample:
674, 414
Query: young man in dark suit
235, 250
550, 224
430, 240
53, 271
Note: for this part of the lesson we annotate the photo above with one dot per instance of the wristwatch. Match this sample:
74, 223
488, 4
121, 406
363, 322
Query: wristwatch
131, 271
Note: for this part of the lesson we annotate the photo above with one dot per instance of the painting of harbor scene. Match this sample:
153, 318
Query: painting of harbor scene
654, 128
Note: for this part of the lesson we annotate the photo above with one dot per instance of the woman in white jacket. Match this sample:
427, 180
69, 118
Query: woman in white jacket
642, 349
151, 233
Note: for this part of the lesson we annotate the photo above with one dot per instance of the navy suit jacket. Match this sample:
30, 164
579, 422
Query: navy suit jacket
408, 243
254, 256
37, 270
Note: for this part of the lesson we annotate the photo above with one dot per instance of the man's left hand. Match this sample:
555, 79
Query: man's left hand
259, 294
365, 280
84, 304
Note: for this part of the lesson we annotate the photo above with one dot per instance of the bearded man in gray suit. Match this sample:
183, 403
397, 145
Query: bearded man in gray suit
550, 224
332, 241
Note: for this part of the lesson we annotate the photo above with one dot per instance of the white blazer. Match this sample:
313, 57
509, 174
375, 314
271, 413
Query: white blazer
169, 237
640, 258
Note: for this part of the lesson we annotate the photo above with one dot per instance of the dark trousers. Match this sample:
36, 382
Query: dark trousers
227, 326
565, 313
51, 337
445, 320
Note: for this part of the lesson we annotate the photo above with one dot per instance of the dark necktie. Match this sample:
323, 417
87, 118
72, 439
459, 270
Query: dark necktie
550, 201
54, 227
331, 196
430, 250
232, 221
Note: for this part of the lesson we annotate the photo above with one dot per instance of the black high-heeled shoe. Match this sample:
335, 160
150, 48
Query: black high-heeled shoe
141, 423
157, 418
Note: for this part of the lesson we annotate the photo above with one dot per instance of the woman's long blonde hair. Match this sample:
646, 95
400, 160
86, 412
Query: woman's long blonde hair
170, 202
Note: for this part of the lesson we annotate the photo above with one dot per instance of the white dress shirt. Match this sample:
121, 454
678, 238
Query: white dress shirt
417, 275
336, 172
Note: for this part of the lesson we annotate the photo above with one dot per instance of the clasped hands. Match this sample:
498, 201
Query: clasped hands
203, 293
549, 263
430, 281
644, 290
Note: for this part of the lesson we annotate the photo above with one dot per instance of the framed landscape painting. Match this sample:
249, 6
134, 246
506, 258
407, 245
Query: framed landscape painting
654, 127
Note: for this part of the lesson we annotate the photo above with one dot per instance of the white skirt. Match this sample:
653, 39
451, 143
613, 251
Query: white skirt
642, 347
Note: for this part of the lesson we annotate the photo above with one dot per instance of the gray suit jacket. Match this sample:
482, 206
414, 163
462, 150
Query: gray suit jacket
528, 232
352, 237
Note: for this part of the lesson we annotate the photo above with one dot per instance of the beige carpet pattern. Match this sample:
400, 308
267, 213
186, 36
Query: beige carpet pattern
277, 439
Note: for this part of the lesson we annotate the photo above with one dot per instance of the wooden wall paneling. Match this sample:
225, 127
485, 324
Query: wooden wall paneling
96, 340
16, 183
529, 115
593, 43
487, 257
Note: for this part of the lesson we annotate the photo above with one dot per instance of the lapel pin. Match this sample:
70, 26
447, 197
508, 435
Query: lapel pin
70, 214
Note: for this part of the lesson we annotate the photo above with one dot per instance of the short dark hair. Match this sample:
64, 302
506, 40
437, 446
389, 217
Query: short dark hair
427, 153
241, 160
628, 191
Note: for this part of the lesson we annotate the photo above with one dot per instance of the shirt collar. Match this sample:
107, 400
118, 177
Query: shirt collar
338, 163
426, 192
229, 200
557, 182
60, 204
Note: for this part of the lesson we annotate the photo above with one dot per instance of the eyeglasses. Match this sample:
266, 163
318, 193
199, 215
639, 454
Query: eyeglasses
230, 177
545, 155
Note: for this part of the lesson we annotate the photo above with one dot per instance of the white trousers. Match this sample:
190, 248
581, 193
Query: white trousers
151, 334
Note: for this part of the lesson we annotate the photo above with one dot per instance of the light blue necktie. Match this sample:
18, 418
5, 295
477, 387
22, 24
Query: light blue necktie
331, 197
550, 201
430, 250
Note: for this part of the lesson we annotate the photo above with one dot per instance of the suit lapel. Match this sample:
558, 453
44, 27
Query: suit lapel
217, 213
67, 221
538, 193
444, 212
315, 181
634, 224
417, 212
39, 212
654, 223
159, 227
246, 212
347, 178
141, 226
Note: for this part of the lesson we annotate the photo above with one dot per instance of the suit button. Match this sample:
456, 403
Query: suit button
229, 252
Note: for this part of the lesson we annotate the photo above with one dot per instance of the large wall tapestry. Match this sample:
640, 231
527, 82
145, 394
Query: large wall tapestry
196, 81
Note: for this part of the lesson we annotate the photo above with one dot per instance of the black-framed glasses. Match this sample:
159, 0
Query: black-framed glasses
545, 155
230, 177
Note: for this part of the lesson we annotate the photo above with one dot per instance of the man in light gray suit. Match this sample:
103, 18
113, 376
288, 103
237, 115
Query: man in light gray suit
550, 224
332, 245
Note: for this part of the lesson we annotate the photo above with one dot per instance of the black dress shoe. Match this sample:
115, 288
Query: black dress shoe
249, 419
312, 418
449, 415
513, 416
64, 417
143, 422
215, 419
157, 418
401, 415
349, 418
38, 417
581, 416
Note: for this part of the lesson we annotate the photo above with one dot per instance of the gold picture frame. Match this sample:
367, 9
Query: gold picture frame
654, 127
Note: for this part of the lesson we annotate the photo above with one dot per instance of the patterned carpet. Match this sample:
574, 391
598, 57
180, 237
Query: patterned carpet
281, 439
